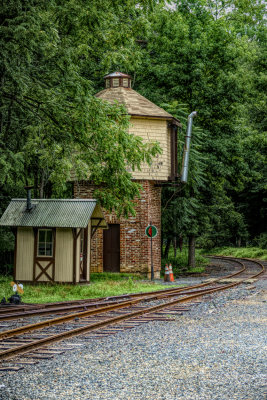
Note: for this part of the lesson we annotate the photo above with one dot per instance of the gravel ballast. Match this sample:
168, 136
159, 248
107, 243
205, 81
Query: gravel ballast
214, 352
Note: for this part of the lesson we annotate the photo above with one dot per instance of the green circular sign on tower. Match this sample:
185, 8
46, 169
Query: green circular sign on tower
151, 231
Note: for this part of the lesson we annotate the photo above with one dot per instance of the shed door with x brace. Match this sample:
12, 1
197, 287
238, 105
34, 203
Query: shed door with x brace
111, 248
44, 255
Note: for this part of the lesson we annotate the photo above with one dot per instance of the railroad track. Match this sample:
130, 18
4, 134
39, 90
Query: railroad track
31, 341
9, 312
27, 310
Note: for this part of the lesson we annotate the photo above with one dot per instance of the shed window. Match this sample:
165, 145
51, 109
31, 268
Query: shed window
45, 242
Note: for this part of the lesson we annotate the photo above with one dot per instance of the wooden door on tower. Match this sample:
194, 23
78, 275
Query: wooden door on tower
111, 248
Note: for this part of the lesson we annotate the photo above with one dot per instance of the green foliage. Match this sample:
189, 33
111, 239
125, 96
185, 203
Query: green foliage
111, 276
200, 56
261, 241
6, 240
6, 269
52, 126
180, 263
247, 252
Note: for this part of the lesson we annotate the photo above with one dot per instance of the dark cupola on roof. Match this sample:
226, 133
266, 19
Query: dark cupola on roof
117, 79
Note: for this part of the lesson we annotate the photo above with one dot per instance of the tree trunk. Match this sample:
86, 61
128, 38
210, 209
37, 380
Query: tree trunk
42, 184
191, 251
181, 243
167, 248
174, 246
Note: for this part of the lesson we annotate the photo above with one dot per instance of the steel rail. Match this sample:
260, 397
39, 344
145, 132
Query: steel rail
81, 330
66, 318
236, 259
50, 308
82, 303
62, 309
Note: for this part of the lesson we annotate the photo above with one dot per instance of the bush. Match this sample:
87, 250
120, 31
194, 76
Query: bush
179, 263
205, 242
6, 269
261, 241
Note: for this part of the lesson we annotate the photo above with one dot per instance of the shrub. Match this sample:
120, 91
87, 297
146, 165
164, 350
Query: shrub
179, 263
6, 269
261, 241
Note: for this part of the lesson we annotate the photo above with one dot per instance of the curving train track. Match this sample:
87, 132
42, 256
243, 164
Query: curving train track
100, 317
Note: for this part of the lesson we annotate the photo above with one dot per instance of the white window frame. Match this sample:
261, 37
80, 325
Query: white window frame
45, 243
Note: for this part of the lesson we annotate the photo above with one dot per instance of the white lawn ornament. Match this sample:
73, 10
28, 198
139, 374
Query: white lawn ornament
20, 288
17, 287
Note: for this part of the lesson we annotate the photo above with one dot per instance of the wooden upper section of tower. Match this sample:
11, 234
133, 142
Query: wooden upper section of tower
148, 121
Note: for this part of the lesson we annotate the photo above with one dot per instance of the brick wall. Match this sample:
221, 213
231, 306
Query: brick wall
135, 255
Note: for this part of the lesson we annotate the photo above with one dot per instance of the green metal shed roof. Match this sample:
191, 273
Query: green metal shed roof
53, 213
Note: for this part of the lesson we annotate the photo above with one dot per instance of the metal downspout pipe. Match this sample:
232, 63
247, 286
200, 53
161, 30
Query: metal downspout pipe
184, 172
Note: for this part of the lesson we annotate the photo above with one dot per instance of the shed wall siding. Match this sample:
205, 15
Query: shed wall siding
24, 257
153, 130
64, 255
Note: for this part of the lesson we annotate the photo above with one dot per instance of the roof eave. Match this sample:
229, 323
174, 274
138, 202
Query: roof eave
167, 118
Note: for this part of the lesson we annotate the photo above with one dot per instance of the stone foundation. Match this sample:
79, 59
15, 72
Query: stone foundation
135, 253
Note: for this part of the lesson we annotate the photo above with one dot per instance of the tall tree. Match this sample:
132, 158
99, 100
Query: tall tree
51, 123
199, 53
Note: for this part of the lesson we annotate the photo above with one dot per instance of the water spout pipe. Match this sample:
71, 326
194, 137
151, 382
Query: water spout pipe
185, 164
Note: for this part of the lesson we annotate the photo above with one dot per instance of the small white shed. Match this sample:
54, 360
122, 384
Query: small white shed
53, 238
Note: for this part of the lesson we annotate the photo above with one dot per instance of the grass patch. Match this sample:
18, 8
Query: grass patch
111, 276
102, 285
179, 263
196, 270
245, 252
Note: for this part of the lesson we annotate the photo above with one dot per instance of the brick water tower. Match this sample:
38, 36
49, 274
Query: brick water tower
124, 247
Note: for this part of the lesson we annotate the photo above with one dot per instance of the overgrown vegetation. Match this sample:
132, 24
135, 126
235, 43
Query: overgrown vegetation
102, 285
180, 263
246, 252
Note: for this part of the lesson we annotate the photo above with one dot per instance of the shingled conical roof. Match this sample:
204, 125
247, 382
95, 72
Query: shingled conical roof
118, 88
